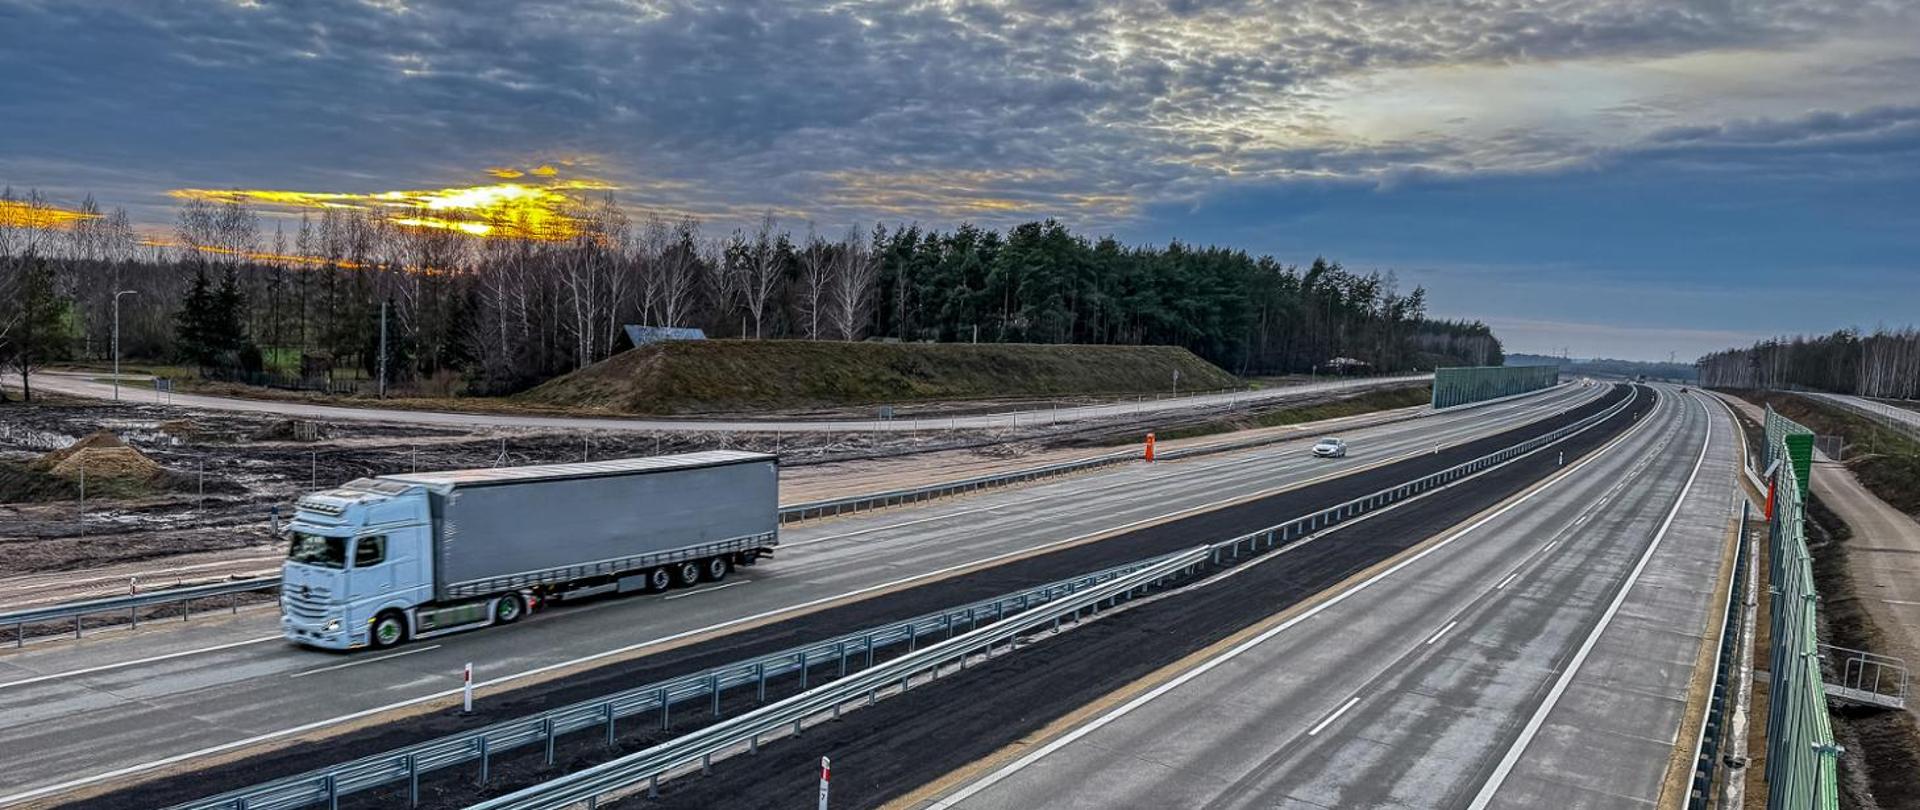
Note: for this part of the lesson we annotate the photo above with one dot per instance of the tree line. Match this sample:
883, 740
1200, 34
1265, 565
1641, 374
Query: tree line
309, 296
1885, 363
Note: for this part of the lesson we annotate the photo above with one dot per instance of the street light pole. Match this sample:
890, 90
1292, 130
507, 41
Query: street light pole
116, 340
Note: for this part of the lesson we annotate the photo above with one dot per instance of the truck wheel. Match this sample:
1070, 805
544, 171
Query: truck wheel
509, 609
389, 628
717, 568
688, 573
659, 579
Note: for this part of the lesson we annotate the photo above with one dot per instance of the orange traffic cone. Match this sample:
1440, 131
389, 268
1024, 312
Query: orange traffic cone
1149, 447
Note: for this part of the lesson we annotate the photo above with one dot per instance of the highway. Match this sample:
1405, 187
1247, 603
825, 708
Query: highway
74, 714
1539, 655
86, 385
1902, 419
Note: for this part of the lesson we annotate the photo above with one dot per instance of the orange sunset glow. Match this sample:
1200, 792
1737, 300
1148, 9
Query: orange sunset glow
513, 210
21, 214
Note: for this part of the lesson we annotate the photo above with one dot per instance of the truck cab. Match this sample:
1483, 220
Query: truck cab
358, 555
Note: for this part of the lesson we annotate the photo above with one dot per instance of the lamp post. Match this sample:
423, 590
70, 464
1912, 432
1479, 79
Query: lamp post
116, 340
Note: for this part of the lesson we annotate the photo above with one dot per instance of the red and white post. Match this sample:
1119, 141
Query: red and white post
826, 774
466, 689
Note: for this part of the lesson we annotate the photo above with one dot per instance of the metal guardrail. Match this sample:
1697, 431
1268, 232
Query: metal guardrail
1713, 722
406, 765
1893, 418
326, 785
747, 729
624, 774
860, 503
876, 500
1866, 678
130, 605
788, 514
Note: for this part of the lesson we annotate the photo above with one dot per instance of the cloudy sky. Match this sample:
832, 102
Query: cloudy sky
1623, 178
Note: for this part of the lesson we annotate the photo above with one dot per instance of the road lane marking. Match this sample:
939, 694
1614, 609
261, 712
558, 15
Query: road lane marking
1335, 716
137, 661
684, 594
1505, 582
364, 661
795, 609
1539, 718
1255, 455
977, 785
1443, 631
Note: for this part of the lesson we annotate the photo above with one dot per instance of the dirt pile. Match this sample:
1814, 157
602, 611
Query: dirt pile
742, 375
97, 440
109, 468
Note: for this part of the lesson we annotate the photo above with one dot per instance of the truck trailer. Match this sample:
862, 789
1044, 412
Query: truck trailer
377, 561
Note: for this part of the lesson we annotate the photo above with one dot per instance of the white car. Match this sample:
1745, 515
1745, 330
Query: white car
1330, 448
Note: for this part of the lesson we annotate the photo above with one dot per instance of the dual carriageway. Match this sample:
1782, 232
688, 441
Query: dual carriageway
1544, 647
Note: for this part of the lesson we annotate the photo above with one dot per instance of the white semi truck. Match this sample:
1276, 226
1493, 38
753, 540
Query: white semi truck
376, 561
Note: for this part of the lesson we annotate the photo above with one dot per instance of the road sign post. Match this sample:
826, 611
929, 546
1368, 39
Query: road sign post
826, 773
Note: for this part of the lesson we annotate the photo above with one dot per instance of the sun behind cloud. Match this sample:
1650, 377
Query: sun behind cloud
544, 211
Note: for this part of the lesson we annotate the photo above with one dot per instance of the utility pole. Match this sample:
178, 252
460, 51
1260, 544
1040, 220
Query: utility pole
383, 350
116, 340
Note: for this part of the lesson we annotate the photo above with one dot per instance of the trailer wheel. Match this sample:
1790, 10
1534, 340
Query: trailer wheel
659, 579
717, 568
688, 573
389, 628
509, 609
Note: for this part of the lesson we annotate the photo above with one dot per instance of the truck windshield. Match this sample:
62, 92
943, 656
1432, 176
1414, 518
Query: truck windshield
314, 549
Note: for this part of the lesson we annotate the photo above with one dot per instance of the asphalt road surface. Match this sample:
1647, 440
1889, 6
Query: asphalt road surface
78, 713
86, 385
1538, 657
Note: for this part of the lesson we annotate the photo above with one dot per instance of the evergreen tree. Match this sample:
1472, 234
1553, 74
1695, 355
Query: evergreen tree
191, 334
41, 321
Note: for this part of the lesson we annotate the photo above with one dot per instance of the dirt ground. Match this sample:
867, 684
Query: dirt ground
1881, 767
239, 470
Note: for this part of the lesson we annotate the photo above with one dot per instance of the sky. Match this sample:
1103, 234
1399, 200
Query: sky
1617, 178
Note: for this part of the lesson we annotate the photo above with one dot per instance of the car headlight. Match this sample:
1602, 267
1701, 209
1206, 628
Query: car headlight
332, 626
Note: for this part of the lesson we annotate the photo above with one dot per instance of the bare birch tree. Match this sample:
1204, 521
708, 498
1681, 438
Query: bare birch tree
850, 295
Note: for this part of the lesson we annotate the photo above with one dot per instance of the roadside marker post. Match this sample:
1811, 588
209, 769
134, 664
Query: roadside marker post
466, 690
826, 774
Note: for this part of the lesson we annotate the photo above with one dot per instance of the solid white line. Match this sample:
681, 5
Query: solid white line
1255, 455
364, 661
1335, 716
1899, 602
1539, 718
684, 594
1505, 582
982, 562
149, 660
1443, 631
1549, 546
1184, 678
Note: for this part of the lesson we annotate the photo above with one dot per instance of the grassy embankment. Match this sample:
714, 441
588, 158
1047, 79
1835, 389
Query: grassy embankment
1886, 461
732, 375
718, 376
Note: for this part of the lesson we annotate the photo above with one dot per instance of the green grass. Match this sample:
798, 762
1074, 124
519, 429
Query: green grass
737, 375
